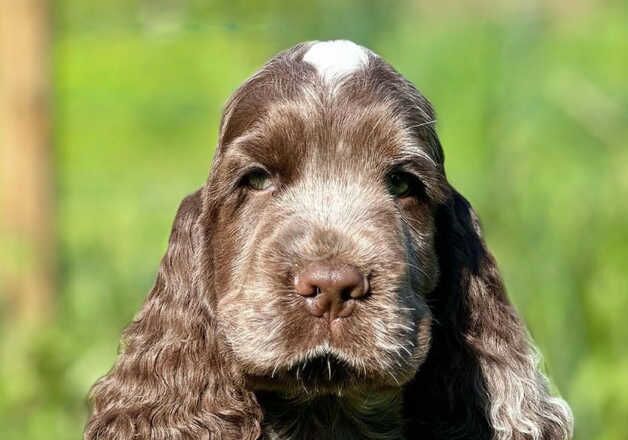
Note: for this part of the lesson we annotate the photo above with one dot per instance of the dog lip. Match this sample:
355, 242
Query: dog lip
322, 369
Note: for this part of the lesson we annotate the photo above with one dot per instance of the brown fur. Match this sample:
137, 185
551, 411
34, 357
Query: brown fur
224, 349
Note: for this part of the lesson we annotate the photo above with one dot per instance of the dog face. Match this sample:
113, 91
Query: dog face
324, 229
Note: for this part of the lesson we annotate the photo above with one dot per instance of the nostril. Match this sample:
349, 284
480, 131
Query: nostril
346, 294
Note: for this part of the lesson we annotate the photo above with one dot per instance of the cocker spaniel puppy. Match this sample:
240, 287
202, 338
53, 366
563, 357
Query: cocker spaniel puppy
327, 282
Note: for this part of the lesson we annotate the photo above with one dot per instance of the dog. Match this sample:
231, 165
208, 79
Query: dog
327, 282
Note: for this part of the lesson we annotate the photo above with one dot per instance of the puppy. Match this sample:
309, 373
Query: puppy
327, 282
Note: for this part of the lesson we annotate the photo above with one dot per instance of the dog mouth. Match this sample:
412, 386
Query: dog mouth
325, 373
322, 370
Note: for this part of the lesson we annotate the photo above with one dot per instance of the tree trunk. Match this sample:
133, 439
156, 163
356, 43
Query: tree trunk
27, 254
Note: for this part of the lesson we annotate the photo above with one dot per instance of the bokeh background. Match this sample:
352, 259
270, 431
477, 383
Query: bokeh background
532, 102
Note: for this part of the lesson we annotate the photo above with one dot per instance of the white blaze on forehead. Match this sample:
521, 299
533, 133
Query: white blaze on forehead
335, 59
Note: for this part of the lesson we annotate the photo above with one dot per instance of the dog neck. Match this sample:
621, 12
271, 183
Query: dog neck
363, 416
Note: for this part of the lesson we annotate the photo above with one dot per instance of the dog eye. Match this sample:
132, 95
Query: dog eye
258, 180
399, 184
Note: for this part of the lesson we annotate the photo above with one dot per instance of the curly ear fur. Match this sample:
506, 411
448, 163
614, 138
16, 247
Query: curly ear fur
172, 380
481, 379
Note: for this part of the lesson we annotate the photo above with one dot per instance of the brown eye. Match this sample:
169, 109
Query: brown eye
399, 184
258, 180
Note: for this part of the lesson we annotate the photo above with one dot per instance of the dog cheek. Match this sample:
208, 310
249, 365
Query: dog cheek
250, 332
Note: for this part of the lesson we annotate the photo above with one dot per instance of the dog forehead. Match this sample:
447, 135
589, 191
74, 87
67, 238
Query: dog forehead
330, 95
335, 59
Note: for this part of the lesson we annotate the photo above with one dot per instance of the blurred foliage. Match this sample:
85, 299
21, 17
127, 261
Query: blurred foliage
532, 102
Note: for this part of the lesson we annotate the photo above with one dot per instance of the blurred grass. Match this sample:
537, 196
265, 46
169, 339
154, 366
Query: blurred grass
532, 104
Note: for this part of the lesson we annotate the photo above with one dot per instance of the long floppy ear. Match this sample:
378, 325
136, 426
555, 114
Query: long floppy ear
173, 379
481, 379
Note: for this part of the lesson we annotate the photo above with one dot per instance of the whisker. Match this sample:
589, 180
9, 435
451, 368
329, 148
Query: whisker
329, 368
394, 378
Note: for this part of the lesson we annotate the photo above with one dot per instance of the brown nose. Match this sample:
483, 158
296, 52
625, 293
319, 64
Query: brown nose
331, 289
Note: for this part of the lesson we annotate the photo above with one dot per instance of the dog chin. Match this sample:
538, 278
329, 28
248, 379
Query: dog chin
320, 374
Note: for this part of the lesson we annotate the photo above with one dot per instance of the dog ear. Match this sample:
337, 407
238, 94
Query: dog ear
173, 378
481, 378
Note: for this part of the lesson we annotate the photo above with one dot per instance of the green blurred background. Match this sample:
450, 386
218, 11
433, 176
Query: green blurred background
532, 104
